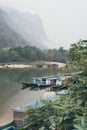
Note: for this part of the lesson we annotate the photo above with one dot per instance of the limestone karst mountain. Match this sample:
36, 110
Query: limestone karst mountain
23, 25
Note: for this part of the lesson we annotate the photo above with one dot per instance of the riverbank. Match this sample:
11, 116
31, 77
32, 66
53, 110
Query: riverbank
44, 65
22, 98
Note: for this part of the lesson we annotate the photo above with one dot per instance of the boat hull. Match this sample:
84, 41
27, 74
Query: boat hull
27, 85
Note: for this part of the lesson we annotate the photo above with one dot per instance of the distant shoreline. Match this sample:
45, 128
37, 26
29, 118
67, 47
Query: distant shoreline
45, 65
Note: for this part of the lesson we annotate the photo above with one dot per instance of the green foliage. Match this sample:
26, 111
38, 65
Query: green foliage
78, 53
67, 112
59, 55
30, 54
82, 124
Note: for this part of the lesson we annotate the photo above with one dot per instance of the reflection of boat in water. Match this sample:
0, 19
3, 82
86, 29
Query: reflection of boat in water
43, 82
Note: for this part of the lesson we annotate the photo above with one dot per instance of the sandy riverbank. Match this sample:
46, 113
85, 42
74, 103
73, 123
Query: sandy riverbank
45, 65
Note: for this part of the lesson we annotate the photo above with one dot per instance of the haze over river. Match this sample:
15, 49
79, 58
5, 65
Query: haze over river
12, 96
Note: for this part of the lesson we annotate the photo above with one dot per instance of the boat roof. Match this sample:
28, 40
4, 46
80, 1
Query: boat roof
53, 78
47, 77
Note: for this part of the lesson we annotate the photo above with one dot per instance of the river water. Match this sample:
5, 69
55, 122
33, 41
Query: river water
12, 96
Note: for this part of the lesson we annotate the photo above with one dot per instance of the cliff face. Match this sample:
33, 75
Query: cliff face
29, 27
8, 37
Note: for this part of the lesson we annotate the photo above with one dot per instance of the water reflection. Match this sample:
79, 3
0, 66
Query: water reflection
9, 85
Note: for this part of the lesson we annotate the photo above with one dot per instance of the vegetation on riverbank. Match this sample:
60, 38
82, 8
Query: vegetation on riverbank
30, 54
68, 112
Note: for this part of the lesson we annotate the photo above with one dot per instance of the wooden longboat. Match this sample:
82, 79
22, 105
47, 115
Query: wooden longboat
28, 84
43, 82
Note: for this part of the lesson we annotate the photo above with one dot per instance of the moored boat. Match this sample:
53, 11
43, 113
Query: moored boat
42, 82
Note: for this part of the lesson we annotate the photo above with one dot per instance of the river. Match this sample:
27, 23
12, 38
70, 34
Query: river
12, 96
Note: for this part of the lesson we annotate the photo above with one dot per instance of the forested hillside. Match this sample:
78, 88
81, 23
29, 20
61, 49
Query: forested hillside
8, 37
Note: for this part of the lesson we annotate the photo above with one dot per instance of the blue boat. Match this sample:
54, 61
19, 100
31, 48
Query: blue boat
43, 82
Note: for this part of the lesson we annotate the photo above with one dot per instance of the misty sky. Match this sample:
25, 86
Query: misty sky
65, 21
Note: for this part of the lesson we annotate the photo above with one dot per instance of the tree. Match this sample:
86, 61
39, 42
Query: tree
78, 53
68, 112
